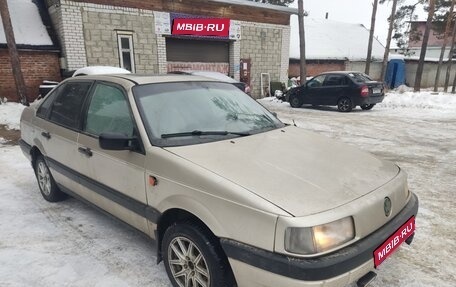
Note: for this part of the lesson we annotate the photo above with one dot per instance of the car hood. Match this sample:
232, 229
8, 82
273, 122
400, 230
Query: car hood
299, 171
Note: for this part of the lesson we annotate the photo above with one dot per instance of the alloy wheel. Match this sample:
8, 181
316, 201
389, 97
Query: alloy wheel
344, 105
44, 178
187, 264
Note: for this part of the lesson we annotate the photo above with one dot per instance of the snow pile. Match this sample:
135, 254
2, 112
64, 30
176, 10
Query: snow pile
27, 24
421, 100
10, 115
100, 70
332, 40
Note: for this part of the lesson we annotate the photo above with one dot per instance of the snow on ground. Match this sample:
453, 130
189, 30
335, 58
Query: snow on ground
10, 114
71, 244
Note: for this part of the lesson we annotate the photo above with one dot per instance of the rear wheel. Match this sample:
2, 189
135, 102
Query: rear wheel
344, 105
193, 257
367, 107
46, 183
295, 101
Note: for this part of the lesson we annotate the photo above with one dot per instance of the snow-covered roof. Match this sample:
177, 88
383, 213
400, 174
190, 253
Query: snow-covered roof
247, 3
27, 24
332, 40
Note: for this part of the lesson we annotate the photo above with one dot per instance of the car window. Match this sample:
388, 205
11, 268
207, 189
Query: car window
317, 81
66, 108
335, 80
359, 77
47, 102
108, 112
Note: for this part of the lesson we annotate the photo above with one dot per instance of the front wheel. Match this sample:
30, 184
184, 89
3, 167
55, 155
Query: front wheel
344, 105
193, 257
367, 107
295, 101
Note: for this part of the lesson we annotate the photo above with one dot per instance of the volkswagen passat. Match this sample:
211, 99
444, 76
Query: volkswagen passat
230, 194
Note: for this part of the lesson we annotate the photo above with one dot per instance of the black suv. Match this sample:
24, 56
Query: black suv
346, 90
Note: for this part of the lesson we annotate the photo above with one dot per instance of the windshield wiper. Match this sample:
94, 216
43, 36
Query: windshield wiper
203, 133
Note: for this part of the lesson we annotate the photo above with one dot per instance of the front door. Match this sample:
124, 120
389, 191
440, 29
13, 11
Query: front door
113, 180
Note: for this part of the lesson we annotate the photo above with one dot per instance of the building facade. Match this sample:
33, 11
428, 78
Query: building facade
152, 36
37, 48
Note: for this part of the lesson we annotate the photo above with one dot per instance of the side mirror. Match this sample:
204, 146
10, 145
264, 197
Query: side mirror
117, 141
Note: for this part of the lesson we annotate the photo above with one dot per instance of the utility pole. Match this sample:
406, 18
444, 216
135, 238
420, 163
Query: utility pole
371, 38
302, 43
14, 56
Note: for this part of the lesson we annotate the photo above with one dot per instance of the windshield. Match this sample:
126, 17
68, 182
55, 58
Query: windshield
196, 112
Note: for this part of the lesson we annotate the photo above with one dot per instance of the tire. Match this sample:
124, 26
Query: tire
344, 105
204, 261
367, 107
46, 182
295, 101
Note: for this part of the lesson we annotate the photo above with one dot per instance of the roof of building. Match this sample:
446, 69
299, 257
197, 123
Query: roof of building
28, 25
247, 3
332, 40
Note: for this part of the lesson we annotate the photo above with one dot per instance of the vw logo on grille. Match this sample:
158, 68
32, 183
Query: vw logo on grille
387, 206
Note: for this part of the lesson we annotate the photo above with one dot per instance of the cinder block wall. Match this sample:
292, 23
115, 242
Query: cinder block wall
262, 43
100, 34
36, 67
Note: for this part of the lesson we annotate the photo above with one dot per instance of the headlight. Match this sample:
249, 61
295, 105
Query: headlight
317, 239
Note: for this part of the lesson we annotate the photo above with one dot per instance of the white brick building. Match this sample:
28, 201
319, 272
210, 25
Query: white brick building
140, 36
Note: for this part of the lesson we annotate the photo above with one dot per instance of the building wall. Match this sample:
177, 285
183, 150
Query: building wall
36, 67
375, 68
89, 32
315, 67
429, 73
223, 68
265, 46
100, 29
435, 39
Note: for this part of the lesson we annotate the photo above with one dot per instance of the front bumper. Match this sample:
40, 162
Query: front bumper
327, 267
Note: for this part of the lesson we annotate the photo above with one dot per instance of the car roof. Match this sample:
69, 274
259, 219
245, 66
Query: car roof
342, 72
138, 79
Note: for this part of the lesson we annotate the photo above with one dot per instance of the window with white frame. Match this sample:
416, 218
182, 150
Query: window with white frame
126, 53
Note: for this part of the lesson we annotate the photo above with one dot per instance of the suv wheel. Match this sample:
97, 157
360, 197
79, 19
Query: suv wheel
46, 183
194, 258
295, 101
367, 107
344, 105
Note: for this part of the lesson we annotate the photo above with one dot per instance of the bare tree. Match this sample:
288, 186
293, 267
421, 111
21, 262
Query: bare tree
419, 70
15, 62
445, 42
302, 43
450, 61
371, 37
388, 39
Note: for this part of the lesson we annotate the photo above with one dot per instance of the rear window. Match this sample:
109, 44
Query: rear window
359, 77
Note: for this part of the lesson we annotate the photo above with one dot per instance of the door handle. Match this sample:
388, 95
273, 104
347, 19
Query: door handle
86, 151
46, 135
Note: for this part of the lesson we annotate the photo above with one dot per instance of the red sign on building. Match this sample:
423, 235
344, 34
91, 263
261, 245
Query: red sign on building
201, 27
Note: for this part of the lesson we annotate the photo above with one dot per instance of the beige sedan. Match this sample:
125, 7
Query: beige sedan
230, 195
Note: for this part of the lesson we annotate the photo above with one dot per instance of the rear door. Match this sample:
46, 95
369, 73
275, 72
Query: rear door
113, 180
335, 86
57, 124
